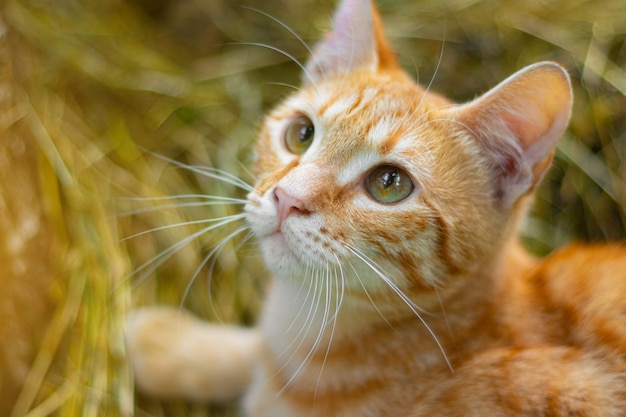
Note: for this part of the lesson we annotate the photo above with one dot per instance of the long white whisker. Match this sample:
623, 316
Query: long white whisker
182, 205
299, 339
222, 221
246, 238
207, 172
325, 321
404, 298
367, 294
386, 278
220, 175
288, 55
432, 79
297, 316
295, 35
324, 283
183, 196
206, 259
339, 293
158, 260
293, 87
285, 26
426, 114
311, 320
301, 335
153, 264
445, 317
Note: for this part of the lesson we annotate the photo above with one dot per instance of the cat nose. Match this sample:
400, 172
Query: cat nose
288, 205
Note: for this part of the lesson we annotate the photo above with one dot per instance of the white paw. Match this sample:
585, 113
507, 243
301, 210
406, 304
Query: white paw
175, 355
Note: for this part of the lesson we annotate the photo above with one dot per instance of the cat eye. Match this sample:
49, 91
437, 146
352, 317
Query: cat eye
389, 184
299, 135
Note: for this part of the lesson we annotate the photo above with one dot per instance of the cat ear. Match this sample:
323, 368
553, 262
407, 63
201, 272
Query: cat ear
518, 123
356, 42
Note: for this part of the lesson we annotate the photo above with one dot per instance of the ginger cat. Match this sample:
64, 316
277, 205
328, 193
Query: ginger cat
389, 219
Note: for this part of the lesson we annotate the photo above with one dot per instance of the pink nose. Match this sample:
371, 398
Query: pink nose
288, 205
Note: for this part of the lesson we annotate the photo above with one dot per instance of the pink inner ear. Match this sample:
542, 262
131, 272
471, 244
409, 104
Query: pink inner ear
540, 119
534, 105
529, 133
519, 123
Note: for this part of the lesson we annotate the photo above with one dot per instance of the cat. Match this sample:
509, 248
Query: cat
389, 218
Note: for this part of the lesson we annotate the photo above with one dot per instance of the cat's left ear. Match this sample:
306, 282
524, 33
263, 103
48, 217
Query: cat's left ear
518, 124
356, 42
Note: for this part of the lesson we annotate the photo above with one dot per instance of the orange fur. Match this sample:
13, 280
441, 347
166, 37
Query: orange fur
426, 305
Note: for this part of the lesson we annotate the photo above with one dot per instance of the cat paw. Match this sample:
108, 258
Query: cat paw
176, 355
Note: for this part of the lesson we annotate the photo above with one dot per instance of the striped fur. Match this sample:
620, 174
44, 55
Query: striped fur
426, 306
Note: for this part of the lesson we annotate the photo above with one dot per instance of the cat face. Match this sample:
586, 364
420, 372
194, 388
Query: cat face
365, 173
368, 167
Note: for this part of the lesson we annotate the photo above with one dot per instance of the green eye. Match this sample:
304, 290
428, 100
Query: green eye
389, 184
299, 135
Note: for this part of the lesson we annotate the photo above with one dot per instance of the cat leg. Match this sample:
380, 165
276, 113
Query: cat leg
176, 355
549, 382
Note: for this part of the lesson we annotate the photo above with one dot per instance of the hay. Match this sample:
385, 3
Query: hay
91, 91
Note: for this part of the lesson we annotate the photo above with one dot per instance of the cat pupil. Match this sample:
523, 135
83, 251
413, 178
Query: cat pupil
306, 132
389, 178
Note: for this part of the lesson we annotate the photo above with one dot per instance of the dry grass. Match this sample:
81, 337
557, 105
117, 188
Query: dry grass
90, 89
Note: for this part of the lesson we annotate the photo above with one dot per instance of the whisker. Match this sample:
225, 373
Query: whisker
220, 202
206, 259
293, 87
338, 301
312, 55
367, 294
324, 323
219, 175
443, 313
295, 319
287, 54
222, 221
386, 279
338, 295
245, 239
183, 196
324, 283
439, 61
209, 172
403, 297
302, 335
151, 265
284, 25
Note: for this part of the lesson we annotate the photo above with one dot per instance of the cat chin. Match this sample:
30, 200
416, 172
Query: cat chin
297, 262
282, 260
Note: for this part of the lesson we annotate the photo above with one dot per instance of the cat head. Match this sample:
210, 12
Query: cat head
364, 171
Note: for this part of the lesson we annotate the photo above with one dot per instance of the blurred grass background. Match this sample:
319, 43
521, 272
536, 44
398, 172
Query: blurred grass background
88, 89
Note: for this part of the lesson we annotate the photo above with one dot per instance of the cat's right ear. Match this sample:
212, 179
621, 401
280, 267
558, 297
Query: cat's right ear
356, 42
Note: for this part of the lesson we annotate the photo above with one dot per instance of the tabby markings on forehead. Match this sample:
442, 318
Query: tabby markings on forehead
332, 107
407, 152
356, 167
380, 132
